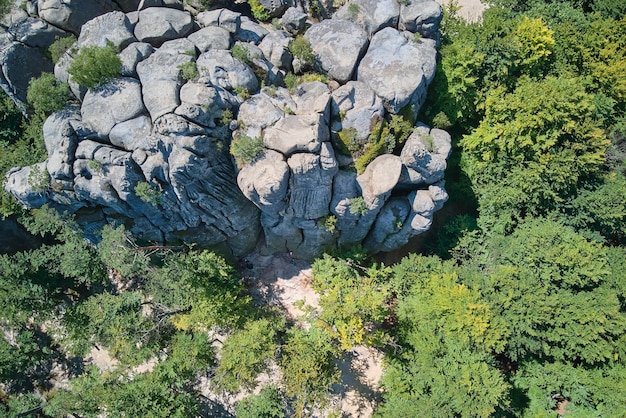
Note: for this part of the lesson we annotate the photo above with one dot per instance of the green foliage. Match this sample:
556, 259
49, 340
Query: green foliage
308, 367
353, 301
543, 138
535, 43
552, 288
242, 92
60, 46
189, 70
95, 166
94, 66
22, 359
47, 95
269, 403
358, 206
118, 252
291, 82
300, 48
245, 354
241, 53
246, 149
227, 117
259, 11
148, 193
329, 223
353, 9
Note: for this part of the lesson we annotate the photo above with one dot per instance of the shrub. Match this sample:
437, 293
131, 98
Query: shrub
240, 53
246, 149
358, 206
227, 117
148, 193
329, 223
94, 165
258, 11
242, 92
95, 65
291, 82
353, 9
60, 46
301, 48
47, 95
189, 70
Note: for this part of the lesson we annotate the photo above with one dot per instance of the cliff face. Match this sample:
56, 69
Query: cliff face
151, 148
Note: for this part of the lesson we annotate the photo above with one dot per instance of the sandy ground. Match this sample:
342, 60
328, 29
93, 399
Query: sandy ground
470, 10
284, 282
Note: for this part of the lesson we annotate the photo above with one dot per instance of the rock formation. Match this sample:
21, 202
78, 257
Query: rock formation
151, 148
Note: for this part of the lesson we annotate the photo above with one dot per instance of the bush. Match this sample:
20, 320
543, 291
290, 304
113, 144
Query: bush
301, 48
246, 149
358, 206
47, 95
95, 65
258, 11
269, 403
240, 53
148, 193
60, 46
189, 70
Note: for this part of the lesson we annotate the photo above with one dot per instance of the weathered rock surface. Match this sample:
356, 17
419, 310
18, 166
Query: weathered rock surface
338, 45
172, 135
71, 15
398, 70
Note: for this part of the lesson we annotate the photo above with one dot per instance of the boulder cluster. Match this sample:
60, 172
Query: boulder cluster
150, 149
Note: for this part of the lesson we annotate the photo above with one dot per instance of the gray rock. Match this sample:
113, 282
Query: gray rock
296, 133
372, 15
71, 15
438, 194
275, 8
338, 45
421, 16
132, 55
391, 230
421, 154
159, 24
112, 27
360, 107
422, 203
20, 64
211, 37
61, 142
312, 97
131, 134
310, 185
174, 4
128, 5
275, 47
281, 235
294, 20
259, 111
35, 33
225, 71
398, 70
113, 102
21, 183
223, 18
379, 179
160, 77
265, 182
250, 31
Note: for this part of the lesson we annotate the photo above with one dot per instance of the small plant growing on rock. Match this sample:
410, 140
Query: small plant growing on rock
329, 223
227, 117
353, 9
240, 53
259, 11
60, 46
301, 48
242, 92
189, 70
291, 82
95, 65
148, 193
95, 166
429, 142
358, 206
38, 179
246, 149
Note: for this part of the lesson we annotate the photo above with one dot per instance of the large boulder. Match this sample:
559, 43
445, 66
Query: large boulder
294, 20
265, 182
113, 102
20, 64
61, 141
356, 106
275, 48
159, 24
421, 16
250, 31
71, 15
338, 46
223, 18
226, 72
398, 70
211, 37
131, 56
372, 15
35, 33
112, 27
296, 133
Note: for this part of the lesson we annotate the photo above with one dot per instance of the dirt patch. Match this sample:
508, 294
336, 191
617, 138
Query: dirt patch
284, 282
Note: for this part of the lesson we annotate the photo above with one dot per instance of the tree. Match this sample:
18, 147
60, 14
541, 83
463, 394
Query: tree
95, 65
47, 95
533, 148
269, 403
245, 354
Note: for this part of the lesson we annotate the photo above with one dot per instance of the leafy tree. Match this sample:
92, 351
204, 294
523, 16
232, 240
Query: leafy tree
308, 367
95, 65
245, 354
246, 149
532, 149
60, 46
353, 299
21, 360
118, 251
269, 403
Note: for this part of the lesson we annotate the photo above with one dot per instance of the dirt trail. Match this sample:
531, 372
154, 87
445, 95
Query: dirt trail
283, 282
